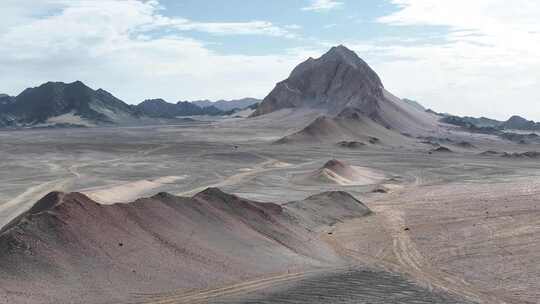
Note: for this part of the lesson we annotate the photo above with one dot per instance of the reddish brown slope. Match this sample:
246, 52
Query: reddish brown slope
68, 248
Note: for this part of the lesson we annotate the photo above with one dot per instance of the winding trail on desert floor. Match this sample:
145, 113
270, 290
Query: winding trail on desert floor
270, 164
12, 208
411, 261
19, 204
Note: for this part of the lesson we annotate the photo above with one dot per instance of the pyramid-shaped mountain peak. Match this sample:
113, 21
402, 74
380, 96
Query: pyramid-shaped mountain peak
338, 79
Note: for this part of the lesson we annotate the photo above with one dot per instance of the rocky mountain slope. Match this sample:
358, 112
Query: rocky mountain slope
415, 104
336, 80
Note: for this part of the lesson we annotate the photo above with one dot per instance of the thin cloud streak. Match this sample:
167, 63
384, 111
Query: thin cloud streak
323, 5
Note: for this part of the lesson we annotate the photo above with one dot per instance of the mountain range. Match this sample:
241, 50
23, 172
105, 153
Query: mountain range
227, 105
513, 123
159, 108
75, 104
336, 84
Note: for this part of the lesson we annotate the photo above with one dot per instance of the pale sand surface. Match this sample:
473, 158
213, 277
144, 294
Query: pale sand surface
361, 176
130, 191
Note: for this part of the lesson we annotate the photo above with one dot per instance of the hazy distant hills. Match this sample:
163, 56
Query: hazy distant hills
228, 105
74, 104
5, 99
159, 108
514, 123
520, 123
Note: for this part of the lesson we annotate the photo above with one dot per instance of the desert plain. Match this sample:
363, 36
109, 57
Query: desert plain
442, 227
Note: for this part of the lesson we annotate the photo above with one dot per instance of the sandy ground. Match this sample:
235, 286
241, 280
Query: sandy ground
339, 173
128, 192
458, 223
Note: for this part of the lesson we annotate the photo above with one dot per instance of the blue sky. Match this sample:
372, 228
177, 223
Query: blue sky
346, 21
351, 20
468, 57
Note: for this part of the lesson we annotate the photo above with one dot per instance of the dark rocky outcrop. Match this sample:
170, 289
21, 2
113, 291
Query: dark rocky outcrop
471, 122
523, 155
440, 149
351, 144
465, 145
490, 153
519, 123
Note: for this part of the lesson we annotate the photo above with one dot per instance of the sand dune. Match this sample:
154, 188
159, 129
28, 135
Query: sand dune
337, 172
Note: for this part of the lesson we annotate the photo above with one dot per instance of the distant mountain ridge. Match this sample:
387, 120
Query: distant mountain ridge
5, 100
54, 104
76, 102
513, 123
159, 108
228, 105
520, 123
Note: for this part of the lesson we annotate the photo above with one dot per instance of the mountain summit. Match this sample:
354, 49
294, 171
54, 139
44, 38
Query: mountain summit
334, 81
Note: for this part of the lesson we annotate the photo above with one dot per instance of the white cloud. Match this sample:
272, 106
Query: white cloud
112, 44
487, 64
256, 27
323, 5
